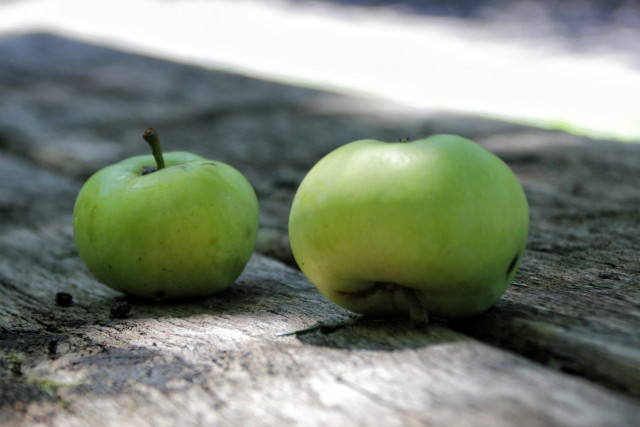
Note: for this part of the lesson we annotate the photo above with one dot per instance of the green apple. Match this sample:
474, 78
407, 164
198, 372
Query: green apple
437, 225
182, 230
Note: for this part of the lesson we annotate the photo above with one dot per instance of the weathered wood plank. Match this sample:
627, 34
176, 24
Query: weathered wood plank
68, 108
220, 360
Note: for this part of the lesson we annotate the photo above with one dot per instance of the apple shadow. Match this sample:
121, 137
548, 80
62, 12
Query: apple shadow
278, 303
267, 291
235, 300
364, 333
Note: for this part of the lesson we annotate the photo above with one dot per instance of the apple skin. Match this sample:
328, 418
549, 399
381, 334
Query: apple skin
441, 216
184, 231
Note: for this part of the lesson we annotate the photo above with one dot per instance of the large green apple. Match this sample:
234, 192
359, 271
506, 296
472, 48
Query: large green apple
184, 228
437, 225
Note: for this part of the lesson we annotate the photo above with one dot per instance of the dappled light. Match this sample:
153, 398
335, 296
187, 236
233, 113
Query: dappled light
571, 66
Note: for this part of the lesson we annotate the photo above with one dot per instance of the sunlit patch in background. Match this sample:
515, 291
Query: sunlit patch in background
572, 65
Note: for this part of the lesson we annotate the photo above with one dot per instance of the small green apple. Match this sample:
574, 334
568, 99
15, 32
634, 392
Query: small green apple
182, 230
437, 225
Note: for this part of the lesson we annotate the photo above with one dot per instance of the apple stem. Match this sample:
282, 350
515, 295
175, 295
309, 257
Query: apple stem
151, 136
417, 311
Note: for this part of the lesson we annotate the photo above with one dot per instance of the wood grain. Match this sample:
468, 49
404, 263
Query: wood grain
560, 349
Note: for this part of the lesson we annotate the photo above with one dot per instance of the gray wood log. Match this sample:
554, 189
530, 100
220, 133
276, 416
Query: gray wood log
560, 349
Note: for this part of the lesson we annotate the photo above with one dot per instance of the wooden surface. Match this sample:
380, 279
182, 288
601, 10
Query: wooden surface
562, 347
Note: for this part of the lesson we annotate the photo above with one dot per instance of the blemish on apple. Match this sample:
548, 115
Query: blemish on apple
513, 263
376, 287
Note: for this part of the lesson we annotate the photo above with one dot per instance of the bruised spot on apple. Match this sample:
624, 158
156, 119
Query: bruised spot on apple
428, 227
512, 265
165, 231
375, 287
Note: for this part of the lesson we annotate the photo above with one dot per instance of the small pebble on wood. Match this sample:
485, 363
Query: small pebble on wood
64, 299
120, 309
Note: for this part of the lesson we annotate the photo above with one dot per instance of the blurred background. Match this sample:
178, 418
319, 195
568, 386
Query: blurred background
572, 65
